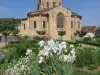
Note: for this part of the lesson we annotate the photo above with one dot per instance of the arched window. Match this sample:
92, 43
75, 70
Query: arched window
47, 4
60, 20
44, 24
34, 24
24, 27
71, 24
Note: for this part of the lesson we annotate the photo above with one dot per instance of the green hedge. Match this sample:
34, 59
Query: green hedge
89, 43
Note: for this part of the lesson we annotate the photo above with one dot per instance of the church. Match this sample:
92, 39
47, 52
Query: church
51, 16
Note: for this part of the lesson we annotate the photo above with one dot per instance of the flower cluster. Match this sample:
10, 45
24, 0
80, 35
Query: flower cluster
21, 67
53, 47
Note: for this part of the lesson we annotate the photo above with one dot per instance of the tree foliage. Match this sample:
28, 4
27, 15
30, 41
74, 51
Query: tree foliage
7, 28
81, 33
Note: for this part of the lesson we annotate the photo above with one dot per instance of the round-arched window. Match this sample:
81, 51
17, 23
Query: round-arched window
60, 20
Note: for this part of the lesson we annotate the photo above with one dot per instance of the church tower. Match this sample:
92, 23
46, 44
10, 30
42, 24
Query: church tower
49, 3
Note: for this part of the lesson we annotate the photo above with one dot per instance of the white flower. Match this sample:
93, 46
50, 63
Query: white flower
28, 51
71, 46
50, 47
41, 43
41, 60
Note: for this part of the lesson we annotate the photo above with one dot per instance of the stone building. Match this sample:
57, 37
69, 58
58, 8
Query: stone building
52, 17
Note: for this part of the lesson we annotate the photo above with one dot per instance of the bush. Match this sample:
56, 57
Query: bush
87, 39
18, 48
41, 32
61, 33
89, 43
87, 56
98, 40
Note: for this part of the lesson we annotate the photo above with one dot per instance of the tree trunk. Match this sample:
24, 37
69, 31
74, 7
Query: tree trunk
6, 40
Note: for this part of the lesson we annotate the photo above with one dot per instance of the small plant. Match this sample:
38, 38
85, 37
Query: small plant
98, 40
81, 33
41, 32
61, 33
87, 39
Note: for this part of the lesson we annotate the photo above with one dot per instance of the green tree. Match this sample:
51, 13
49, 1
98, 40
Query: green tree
15, 32
6, 28
81, 33
61, 33
41, 32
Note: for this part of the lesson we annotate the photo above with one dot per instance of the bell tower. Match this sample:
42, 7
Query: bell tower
49, 3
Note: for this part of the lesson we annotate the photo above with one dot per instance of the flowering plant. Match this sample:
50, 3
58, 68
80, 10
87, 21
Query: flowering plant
53, 59
53, 47
22, 67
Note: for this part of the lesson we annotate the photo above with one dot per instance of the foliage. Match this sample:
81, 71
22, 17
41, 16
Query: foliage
87, 56
7, 27
92, 66
18, 48
54, 58
98, 40
81, 33
55, 63
97, 36
41, 32
15, 32
42, 38
89, 43
87, 39
61, 33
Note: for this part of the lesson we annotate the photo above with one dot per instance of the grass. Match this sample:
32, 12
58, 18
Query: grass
80, 72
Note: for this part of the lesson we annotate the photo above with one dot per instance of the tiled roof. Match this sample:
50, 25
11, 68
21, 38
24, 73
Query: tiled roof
75, 14
5, 19
90, 29
40, 11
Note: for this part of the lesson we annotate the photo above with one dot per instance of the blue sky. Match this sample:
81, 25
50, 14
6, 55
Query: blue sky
89, 9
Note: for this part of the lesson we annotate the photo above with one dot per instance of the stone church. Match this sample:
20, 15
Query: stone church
51, 16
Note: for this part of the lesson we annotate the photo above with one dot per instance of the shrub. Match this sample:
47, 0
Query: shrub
61, 33
98, 40
89, 43
11, 54
87, 39
87, 56
41, 32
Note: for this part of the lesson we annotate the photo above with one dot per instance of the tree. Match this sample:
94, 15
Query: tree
15, 32
41, 32
82, 33
6, 28
61, 33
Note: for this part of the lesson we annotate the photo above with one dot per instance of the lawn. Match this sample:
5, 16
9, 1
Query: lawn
79, 72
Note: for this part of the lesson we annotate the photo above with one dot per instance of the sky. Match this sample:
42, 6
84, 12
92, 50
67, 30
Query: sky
89, 9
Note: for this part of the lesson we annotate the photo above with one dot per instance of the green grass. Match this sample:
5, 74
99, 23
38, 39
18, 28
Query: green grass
79, 72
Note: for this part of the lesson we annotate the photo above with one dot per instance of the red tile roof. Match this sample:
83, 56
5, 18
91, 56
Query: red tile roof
75, 14
5, 19
40, 11
90, 29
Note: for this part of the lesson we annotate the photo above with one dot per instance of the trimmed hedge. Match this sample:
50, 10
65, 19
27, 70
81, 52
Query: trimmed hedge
89, 43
